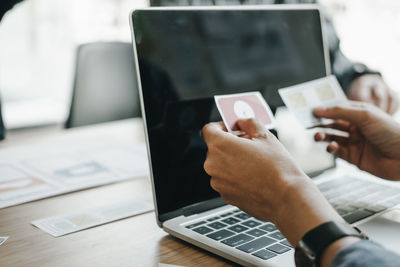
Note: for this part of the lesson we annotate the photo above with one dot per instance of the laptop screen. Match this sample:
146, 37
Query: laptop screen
186, 56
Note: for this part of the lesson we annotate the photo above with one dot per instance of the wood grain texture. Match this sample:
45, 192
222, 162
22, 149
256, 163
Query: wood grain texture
135, 241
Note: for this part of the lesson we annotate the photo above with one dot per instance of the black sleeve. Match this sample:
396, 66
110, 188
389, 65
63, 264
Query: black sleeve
344, 69
6, 5
365, 254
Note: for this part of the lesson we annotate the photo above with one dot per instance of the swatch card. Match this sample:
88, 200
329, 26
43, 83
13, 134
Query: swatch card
303, 98
244, 106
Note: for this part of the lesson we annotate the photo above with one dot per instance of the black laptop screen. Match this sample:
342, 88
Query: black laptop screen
188, 56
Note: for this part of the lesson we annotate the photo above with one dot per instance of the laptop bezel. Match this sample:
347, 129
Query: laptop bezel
216, 202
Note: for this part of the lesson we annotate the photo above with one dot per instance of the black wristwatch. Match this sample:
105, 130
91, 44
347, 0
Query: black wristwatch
310, 248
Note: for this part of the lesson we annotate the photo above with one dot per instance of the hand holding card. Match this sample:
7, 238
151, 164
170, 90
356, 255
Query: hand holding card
244, 106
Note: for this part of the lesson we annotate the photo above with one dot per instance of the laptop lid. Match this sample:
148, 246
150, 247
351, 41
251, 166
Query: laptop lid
185, 56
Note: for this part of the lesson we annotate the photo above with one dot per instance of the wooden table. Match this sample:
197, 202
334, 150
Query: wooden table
136, 241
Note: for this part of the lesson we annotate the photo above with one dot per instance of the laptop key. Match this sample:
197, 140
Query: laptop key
238, 228
203, 230
195, 225
347, 208
357, 215
251, 223
268, 227
277, 235
277, 248
216, 225
286, 243
243, 216
264, 254
341, 211
256, 232
226, 214
375, 208
222, 234
257, 244
213, 219
230, 220
237, 240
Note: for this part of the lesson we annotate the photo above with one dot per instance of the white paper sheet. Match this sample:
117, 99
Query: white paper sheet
73, 222
37, 171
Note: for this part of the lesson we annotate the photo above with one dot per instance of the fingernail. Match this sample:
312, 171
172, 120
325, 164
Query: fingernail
318, 137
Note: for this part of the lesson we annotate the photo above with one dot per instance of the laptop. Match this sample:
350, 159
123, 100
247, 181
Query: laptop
184, 57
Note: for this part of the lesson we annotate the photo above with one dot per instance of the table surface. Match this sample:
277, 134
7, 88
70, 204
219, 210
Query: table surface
135, 241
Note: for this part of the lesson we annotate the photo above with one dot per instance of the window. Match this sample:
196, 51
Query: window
370, 33
39, 40
37, 52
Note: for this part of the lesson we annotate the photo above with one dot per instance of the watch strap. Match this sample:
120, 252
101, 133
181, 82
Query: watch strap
318, 239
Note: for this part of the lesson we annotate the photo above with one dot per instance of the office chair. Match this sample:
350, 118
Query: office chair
105, 86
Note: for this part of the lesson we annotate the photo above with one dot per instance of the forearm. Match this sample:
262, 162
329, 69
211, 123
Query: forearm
304, 209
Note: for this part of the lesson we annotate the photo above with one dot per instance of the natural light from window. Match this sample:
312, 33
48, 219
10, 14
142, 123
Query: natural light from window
39, 40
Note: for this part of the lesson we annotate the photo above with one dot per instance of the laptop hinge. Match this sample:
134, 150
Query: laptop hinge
202, 206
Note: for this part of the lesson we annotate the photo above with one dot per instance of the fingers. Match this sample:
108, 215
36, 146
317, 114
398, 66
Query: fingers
353, 112
393, 103
358, 94
380, 97
340, 125
253, 129
338, 150
323, 137
213, 130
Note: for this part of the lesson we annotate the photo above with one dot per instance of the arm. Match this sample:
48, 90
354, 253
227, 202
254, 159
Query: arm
259, 176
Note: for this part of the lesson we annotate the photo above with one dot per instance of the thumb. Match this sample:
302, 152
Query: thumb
214, 130
253, 128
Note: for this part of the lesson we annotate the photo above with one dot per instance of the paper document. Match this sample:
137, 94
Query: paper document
37, 171
301, 99
73, 222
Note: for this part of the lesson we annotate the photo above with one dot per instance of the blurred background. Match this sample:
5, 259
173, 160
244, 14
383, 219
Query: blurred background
39, 38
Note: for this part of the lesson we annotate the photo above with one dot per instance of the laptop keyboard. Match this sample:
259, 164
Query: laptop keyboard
240, 230
355, 199
352, 198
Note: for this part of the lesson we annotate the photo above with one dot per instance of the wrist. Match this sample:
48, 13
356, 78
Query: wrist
304, 208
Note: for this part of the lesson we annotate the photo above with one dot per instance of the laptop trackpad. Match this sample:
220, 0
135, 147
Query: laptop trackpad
384, 229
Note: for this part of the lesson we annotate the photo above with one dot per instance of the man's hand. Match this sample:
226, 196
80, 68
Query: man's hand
258, 175
371, 88
373, 141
